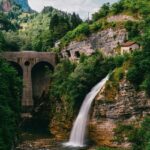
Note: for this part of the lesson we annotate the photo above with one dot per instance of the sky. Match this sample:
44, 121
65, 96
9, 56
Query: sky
82, 7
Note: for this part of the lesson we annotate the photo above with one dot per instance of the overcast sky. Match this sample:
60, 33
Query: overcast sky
82, 7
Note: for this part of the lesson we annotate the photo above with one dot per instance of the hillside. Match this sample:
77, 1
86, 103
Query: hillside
115, 41
38, 31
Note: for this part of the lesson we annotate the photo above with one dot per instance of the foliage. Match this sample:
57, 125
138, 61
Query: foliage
138, 73
5, 24
36, 31
74, 82
9, 105
103, 12
134, 76
80, 32
122, 132
105, 148
140, 137
133, 28
146, 85
2, 42
119, 60
117, 8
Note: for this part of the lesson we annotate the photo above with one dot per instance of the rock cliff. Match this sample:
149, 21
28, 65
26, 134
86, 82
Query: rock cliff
128, 107
6, 5
106, 41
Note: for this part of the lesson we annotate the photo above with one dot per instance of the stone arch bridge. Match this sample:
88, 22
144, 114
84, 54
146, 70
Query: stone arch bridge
26, 61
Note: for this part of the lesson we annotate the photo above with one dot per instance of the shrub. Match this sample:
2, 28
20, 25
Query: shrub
119, 61
146, 85
140, 137
134, 76
105, 148
122, 132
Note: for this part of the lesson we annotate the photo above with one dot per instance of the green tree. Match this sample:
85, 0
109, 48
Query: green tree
117, 7
141, 136
75, 20
103, 12
10, 86
54, 21
5, 24
2, 42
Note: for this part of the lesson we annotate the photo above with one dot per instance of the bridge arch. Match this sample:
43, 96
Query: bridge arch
40, 75
17, 67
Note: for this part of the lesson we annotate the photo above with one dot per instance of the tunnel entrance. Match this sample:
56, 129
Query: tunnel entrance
40, 80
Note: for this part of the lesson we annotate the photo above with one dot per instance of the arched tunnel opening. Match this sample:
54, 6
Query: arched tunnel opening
41, 79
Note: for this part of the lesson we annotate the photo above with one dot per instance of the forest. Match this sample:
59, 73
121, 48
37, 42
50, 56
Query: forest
71, 81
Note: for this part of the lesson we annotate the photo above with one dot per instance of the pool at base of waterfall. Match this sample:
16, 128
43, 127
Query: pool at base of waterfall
75, 145
30, 141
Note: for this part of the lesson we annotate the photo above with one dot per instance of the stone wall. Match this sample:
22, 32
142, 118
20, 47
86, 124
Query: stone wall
128, 107
105, 41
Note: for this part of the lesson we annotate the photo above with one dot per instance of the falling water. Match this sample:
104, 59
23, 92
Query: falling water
78, 131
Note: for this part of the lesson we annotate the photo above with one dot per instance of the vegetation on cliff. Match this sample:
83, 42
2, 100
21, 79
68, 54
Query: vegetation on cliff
71, 81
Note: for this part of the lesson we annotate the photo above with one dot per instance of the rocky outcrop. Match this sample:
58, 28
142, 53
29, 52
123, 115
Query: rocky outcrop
6, 5
105, 41
128, 107
120, 18
61, 122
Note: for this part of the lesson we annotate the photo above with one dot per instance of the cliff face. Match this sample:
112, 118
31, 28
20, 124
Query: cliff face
106, 41
24, 4
6, 5
128, 107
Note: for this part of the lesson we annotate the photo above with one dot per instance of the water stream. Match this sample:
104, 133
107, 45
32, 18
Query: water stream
77, 137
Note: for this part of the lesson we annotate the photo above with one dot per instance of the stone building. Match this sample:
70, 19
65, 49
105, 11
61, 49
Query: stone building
129, 47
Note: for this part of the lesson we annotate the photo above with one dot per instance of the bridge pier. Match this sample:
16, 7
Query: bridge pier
27, 100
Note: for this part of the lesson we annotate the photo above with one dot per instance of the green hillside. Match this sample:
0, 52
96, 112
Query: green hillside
38, 31
71, 81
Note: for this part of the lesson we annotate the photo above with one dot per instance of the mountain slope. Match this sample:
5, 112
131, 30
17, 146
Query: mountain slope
7, 5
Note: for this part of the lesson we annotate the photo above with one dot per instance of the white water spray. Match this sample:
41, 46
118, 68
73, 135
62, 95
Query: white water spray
79, 129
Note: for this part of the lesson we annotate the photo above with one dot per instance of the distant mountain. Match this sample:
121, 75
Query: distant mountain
24, 4
6, 5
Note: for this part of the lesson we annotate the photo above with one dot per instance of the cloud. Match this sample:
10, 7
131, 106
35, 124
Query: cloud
82, 7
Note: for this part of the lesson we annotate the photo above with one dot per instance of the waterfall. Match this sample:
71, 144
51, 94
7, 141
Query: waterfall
79, 128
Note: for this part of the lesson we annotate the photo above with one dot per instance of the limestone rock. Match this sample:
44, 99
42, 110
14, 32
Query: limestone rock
105, 41
129, 107
120, 18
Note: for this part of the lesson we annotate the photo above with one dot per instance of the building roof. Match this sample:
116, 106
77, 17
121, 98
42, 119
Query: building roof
127, 44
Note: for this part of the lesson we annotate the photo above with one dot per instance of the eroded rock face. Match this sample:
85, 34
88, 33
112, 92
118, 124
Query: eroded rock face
6, 6
120, 18
105, 41
128, 107
61, 122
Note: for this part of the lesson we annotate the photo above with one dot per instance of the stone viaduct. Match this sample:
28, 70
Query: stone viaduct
27, 60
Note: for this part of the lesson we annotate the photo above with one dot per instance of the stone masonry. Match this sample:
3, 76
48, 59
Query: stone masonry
27, 60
